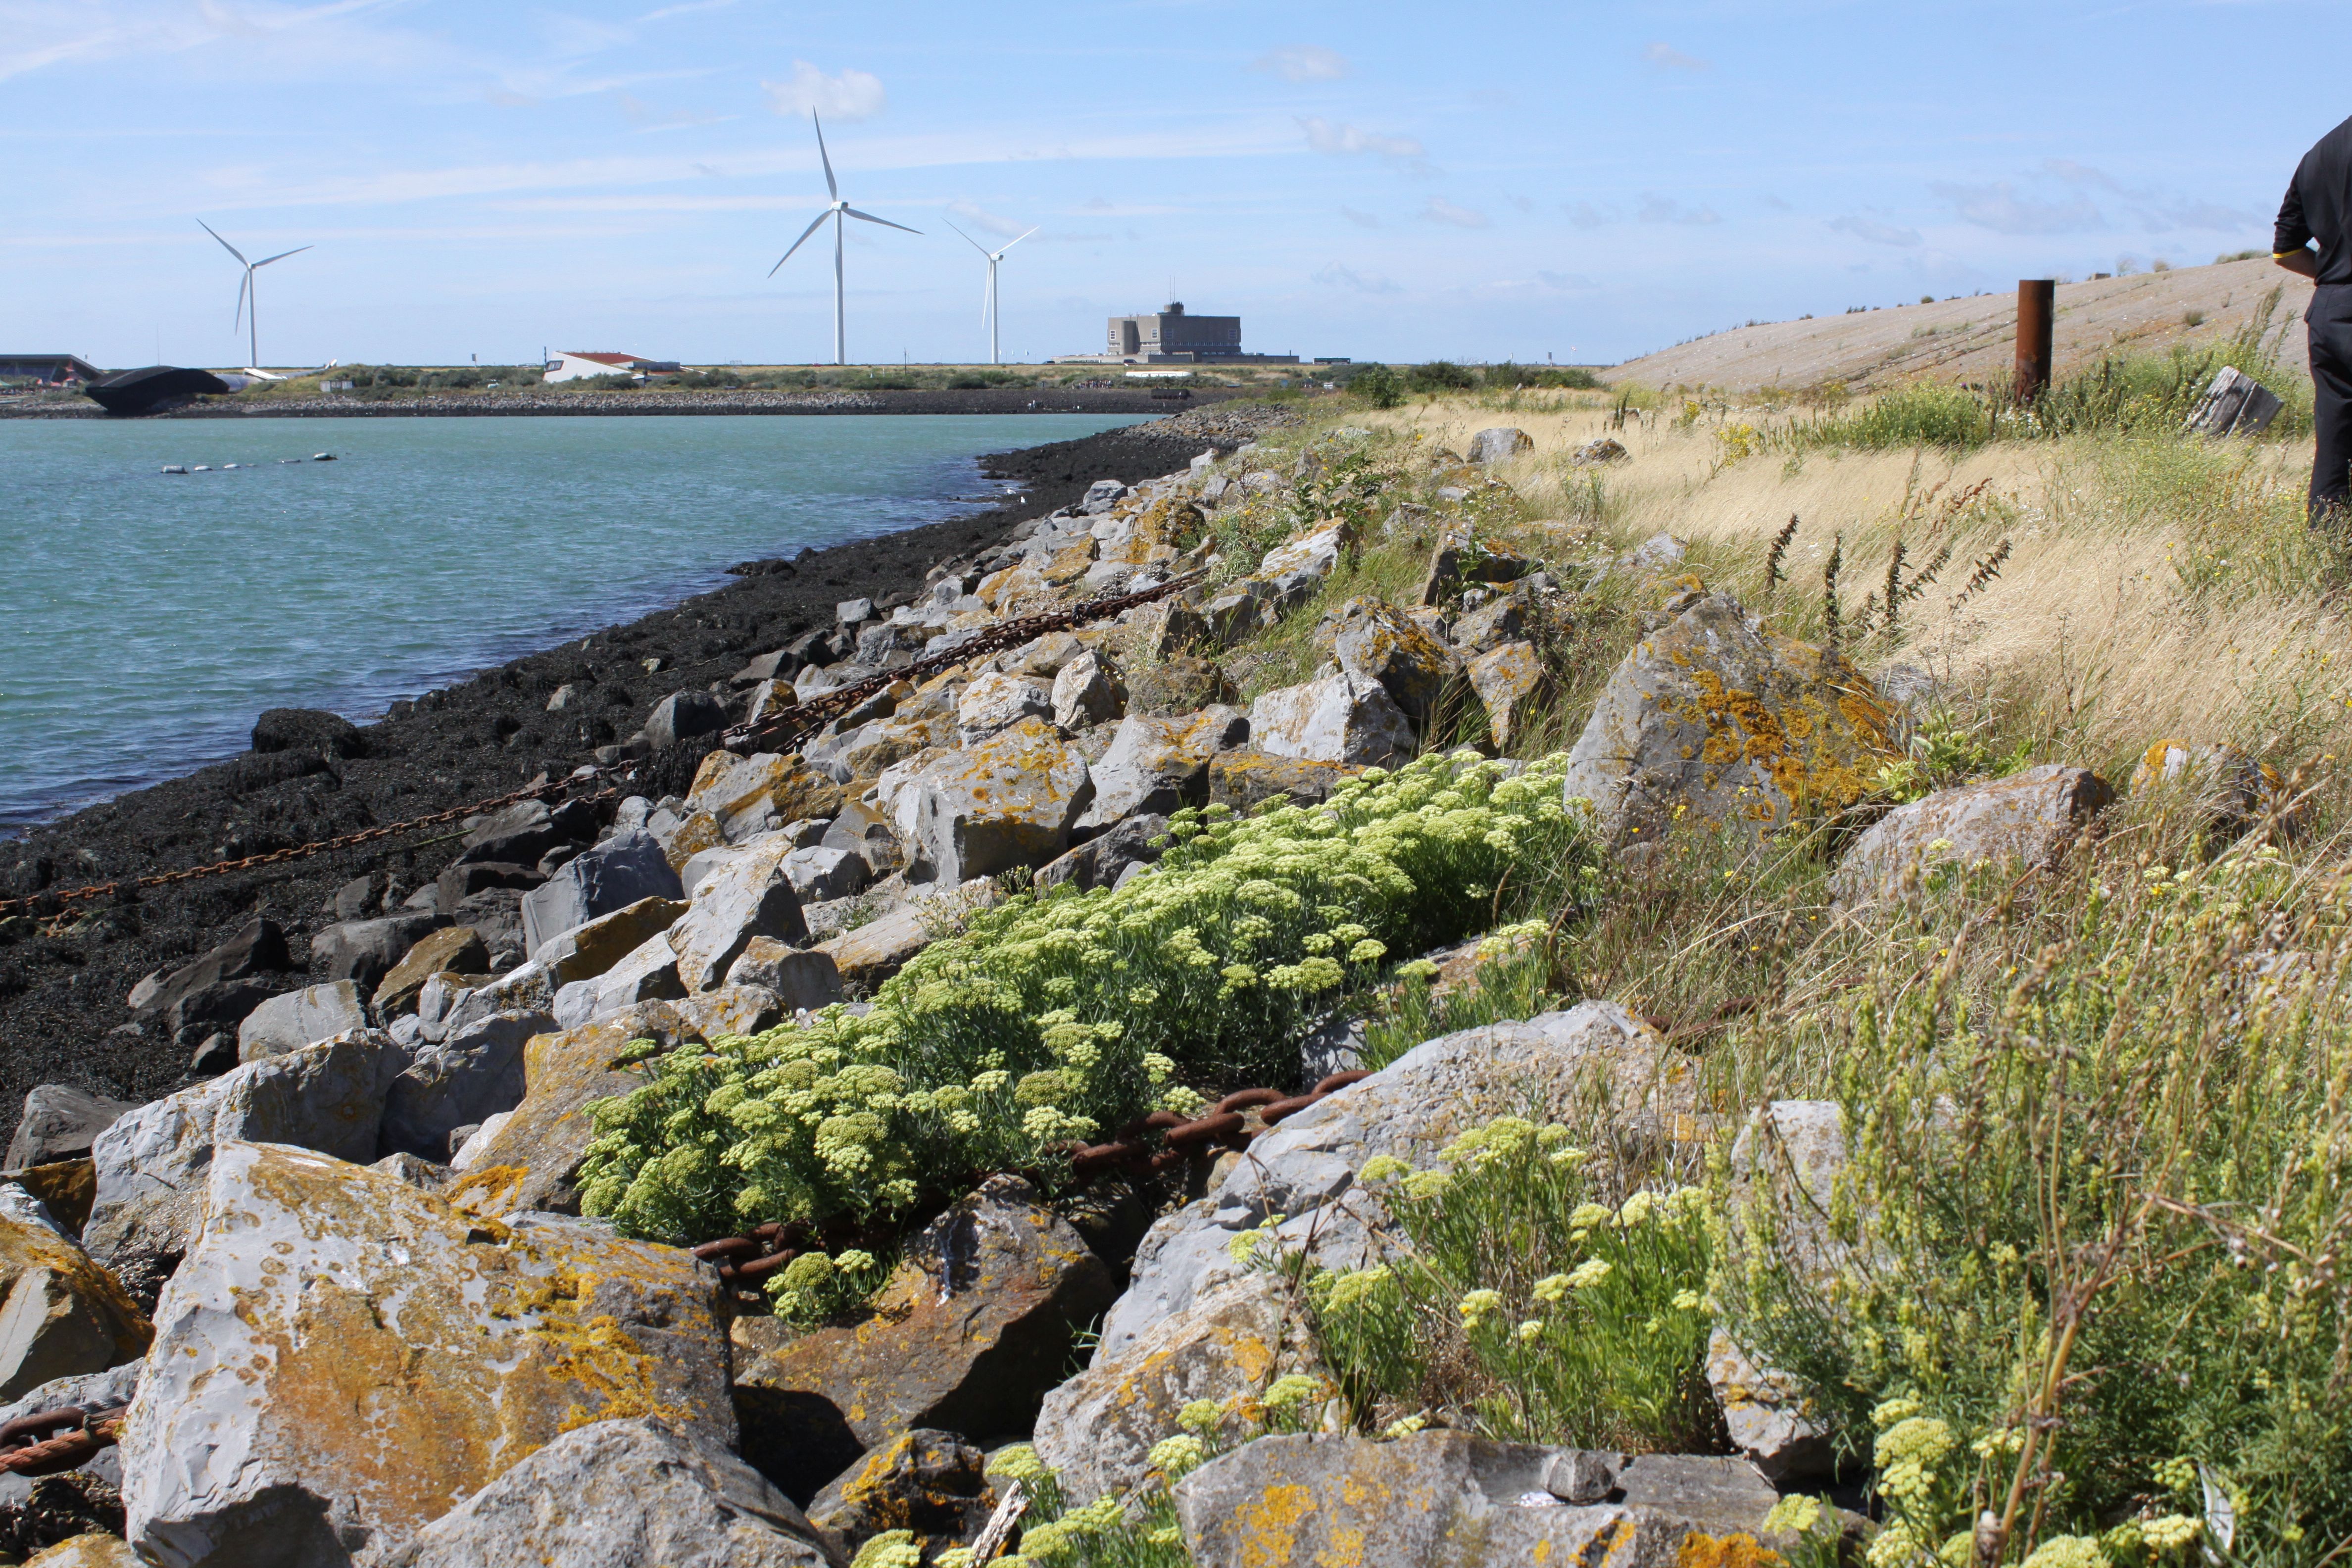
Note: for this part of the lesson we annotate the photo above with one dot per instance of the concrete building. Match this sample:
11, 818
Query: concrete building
576, 366
1171, 337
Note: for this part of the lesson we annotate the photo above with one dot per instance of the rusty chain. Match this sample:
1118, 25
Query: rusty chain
804, 720
26, 1449
757, 1253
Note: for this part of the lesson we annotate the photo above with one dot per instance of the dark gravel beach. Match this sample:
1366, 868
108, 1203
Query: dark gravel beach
64, 976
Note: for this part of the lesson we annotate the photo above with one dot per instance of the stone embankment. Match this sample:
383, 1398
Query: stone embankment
342, 1279
530, 404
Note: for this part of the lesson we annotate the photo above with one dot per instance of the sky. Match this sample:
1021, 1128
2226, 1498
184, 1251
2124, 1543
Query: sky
1569, 181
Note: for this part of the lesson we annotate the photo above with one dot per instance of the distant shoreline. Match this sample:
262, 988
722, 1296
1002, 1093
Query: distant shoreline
477, 406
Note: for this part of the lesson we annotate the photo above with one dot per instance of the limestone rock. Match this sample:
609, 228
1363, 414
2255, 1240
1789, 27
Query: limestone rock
151, 1164
594, 948
1462, 559
868, 955
1339, 718
2228, 788
258, 949
61, 1315
344, 1359
365, 951
931, 1483
820, 874
648, 972
2024, 821
968, 1335
1157, 765
1376, 642
298, 1018
1767, 1417
1600, 450
683, 715
1434, 1499
614, 874
60, 1121
1296, 567
1515, 688
1721, 725
1007, 802
1084, 693
1097, 1429
630, 1493
993, 702
532, 1161
799, 978
746, 794
1241, 779
748, 896
459, 1080
1595, 1052
1100, 860
1500, 444
731, 1009
1163, 629
96, 1550
1506, 619
451, 949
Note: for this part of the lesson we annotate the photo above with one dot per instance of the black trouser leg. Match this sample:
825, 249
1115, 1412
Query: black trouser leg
2331, 385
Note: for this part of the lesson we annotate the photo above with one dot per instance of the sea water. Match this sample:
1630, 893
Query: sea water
145, 617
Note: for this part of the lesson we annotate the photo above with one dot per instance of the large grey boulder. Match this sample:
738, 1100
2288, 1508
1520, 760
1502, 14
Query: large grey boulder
995, 700
299, 1018
1447, 1499
1338, 718
930, 1482
1102, 860
1097, 1431
1377, 642
460, 1080
612, 875
65, 1315
1157, 765
1084, 693
60, 1122
365, 951
1717, 722
204, 991
1008, 801
820, 873
151, 1164
799, 978
682, 715
2021, 823
1500, 444
1593, 1054
342, 1358
523, 833
746, 895
636, 1493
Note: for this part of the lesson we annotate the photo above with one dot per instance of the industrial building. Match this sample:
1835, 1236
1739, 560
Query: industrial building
1171, 337
50, 370
573, 364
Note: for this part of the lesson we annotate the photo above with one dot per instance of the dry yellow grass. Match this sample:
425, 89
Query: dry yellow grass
2155, 587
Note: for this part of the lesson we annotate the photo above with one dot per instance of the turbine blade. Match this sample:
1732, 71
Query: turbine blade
988, 294
1017, 239
885, 222
969, 240
830, 183
244, 287
787, 256
282, 256
232, 249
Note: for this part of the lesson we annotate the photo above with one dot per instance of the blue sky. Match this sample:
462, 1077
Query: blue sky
1579, 179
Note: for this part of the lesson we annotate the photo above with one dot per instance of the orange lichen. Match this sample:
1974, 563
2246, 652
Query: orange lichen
1738, 1550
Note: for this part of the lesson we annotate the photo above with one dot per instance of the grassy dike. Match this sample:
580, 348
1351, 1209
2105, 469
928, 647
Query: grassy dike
2076, 1298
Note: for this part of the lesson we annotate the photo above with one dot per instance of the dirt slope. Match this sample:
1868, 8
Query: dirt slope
1975, 339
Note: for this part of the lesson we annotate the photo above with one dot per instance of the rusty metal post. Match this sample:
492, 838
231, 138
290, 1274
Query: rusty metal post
2036, 306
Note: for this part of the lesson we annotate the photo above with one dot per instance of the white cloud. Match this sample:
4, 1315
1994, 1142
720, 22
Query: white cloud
1665, 56
1998, 207
1440, 210
1362, 220
1874, 230
1338, 277
1303, 62
977, 216
1656, 208
1575, 281
1345, 141
851, 95
1584, 214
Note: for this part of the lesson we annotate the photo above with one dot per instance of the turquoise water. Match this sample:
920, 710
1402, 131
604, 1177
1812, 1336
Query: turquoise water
146, 618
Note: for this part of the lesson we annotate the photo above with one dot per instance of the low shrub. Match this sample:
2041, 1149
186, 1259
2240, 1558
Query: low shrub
1516, 1304
1443, 375
1070, 1017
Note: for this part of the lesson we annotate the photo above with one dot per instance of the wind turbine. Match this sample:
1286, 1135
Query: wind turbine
248, 299
988, 299
839, 210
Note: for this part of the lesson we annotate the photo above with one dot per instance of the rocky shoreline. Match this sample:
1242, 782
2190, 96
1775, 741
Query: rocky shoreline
496, 405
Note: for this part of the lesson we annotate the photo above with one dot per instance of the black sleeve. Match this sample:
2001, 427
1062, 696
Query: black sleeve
2291, 234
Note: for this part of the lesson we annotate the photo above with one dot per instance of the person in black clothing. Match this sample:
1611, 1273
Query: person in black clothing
2318, 206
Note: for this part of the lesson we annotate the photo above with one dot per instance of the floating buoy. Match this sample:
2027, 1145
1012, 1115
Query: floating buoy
283, 461
176, 468
226, 466
322, 456
202, 469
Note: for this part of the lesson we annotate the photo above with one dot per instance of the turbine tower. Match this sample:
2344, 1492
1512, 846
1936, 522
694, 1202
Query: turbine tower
248, 299
988, 299
839, 210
